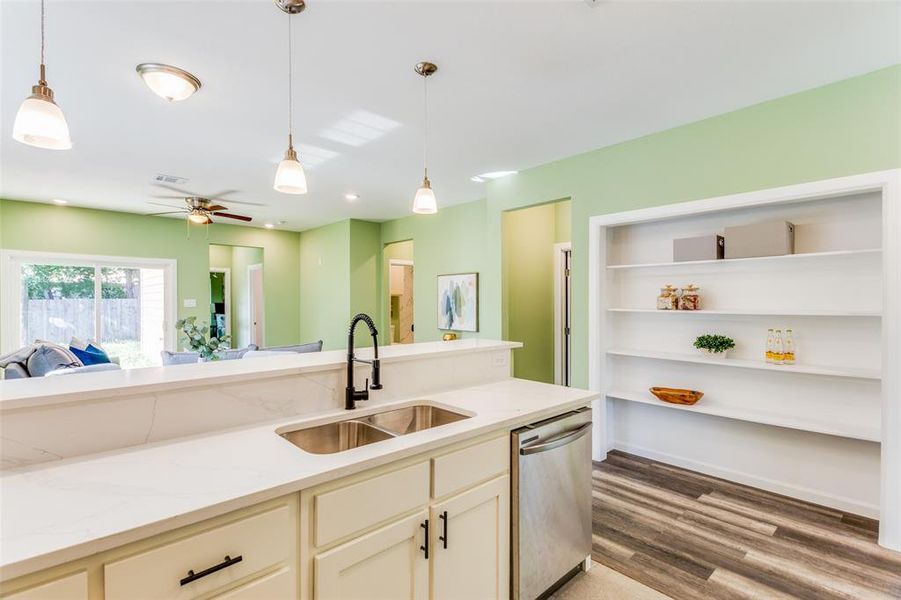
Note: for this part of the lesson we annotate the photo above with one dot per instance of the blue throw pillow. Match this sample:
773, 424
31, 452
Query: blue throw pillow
92, 355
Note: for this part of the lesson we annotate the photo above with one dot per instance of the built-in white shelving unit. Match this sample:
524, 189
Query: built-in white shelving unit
709, 406
826, 429
738, 363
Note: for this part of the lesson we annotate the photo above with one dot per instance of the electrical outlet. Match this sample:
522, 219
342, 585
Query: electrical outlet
500, 359
190, 303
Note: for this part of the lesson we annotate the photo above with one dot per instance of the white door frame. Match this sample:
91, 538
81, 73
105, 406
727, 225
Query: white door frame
10, 271
227, 294
559, 314
250, 305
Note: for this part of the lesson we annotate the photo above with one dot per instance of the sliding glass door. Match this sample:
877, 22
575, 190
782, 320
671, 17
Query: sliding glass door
122, 304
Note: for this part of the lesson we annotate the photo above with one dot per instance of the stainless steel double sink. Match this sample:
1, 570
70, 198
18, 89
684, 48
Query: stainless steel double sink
353, 433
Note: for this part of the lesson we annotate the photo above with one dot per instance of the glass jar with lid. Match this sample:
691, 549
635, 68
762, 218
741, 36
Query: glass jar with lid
667, 300
689, 299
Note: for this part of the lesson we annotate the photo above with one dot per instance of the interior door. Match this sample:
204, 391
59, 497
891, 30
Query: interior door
471, 541
405, 309
388, 563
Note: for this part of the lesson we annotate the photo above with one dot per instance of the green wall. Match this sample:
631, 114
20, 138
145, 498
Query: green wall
529, 236
50, 228
339, 274
451, 241
852, 126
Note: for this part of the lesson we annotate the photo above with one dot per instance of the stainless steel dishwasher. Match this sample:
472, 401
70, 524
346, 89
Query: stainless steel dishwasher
551, 492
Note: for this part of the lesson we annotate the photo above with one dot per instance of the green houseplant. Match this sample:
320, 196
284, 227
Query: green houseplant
714, 346
196, 339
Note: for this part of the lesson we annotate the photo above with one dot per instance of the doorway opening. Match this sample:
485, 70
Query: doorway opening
237, 294
537, 294
400, 270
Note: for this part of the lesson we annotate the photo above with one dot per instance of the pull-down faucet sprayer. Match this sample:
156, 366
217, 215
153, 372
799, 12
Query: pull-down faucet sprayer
351, 395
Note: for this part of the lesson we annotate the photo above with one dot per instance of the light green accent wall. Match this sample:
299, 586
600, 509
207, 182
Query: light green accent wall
563, 222
325, 284
50, 228
849, 127
529, 236
365, 244
451, 241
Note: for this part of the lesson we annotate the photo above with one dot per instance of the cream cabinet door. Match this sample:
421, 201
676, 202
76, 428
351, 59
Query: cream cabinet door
387, 563
470, 544
73, 587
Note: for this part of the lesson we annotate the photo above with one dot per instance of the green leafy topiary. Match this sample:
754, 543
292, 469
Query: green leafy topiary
714, 343
195, 338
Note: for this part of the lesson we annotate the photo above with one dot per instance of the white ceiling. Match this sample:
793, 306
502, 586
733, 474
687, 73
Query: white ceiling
519, 84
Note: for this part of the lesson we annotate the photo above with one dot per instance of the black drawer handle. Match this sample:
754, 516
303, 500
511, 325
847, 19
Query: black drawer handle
425, 547
443, 538
226, 562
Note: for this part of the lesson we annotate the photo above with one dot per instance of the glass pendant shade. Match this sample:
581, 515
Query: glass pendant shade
41, 123
170, 83
425, 203
199, 218
290, 178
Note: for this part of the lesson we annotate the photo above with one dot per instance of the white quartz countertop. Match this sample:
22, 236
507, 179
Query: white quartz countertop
55, 513
30, 393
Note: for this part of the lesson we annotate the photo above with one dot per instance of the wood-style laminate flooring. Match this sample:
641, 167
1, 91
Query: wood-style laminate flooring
692, 536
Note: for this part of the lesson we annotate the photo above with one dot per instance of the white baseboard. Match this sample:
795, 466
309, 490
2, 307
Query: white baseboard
779, 487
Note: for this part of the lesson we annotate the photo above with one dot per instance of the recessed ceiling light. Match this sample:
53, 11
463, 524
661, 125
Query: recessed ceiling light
268, 225
168, 82
483, 177
60, 201
351, 197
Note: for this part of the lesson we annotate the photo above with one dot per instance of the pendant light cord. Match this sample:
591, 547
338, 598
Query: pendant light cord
425, 137
290, 88
42, 80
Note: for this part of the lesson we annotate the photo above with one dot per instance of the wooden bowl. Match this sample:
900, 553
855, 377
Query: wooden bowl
677, 396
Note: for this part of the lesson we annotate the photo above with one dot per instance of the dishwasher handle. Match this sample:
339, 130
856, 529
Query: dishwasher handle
559, 440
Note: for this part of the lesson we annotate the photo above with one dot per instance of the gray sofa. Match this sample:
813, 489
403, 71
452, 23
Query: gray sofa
41, 359
250, 351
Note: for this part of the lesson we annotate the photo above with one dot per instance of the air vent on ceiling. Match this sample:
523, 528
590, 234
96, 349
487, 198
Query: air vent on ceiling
170, 179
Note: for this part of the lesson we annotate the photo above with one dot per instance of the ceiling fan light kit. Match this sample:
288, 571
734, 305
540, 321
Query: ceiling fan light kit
168, 82
424, 202
40, 121
290, 177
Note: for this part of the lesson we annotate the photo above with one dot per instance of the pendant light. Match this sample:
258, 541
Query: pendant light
40, 122
425, 203
290, 178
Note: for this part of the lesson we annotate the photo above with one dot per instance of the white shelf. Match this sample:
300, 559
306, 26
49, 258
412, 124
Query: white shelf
851, 372
706, 406
753, 313
782, 258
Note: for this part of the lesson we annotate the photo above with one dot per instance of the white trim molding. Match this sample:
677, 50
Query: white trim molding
885, 183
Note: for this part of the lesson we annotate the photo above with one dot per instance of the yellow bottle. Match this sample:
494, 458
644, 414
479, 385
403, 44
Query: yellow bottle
788, 348
778, 348
770, 339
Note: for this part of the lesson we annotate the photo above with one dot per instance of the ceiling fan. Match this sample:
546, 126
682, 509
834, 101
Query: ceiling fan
200, 209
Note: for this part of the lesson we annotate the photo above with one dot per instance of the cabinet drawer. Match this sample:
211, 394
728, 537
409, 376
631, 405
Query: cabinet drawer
275, 586
260, 541
349, 509
458, 470
73, 587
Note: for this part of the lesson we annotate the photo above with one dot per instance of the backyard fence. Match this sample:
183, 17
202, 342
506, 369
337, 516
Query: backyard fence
61, 319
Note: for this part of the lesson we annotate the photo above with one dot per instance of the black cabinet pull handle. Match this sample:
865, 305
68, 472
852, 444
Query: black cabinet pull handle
443, 538
226, 562
425, 548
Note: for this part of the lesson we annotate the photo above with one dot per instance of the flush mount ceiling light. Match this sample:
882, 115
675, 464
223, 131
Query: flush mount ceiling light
351, 197
168, 82
290, 177
40, 122
482, 178
425, 203
269, 225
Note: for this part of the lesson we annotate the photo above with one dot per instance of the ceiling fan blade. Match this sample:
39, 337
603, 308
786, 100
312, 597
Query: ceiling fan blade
171, 212
223, 193
166, 205
215, 207
182, 193
168, 196
231, 216
237, 202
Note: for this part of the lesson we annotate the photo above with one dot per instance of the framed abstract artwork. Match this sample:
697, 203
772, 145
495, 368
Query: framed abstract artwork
458, 302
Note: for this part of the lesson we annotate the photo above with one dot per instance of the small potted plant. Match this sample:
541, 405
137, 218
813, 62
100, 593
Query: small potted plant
714, 346
196, 339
